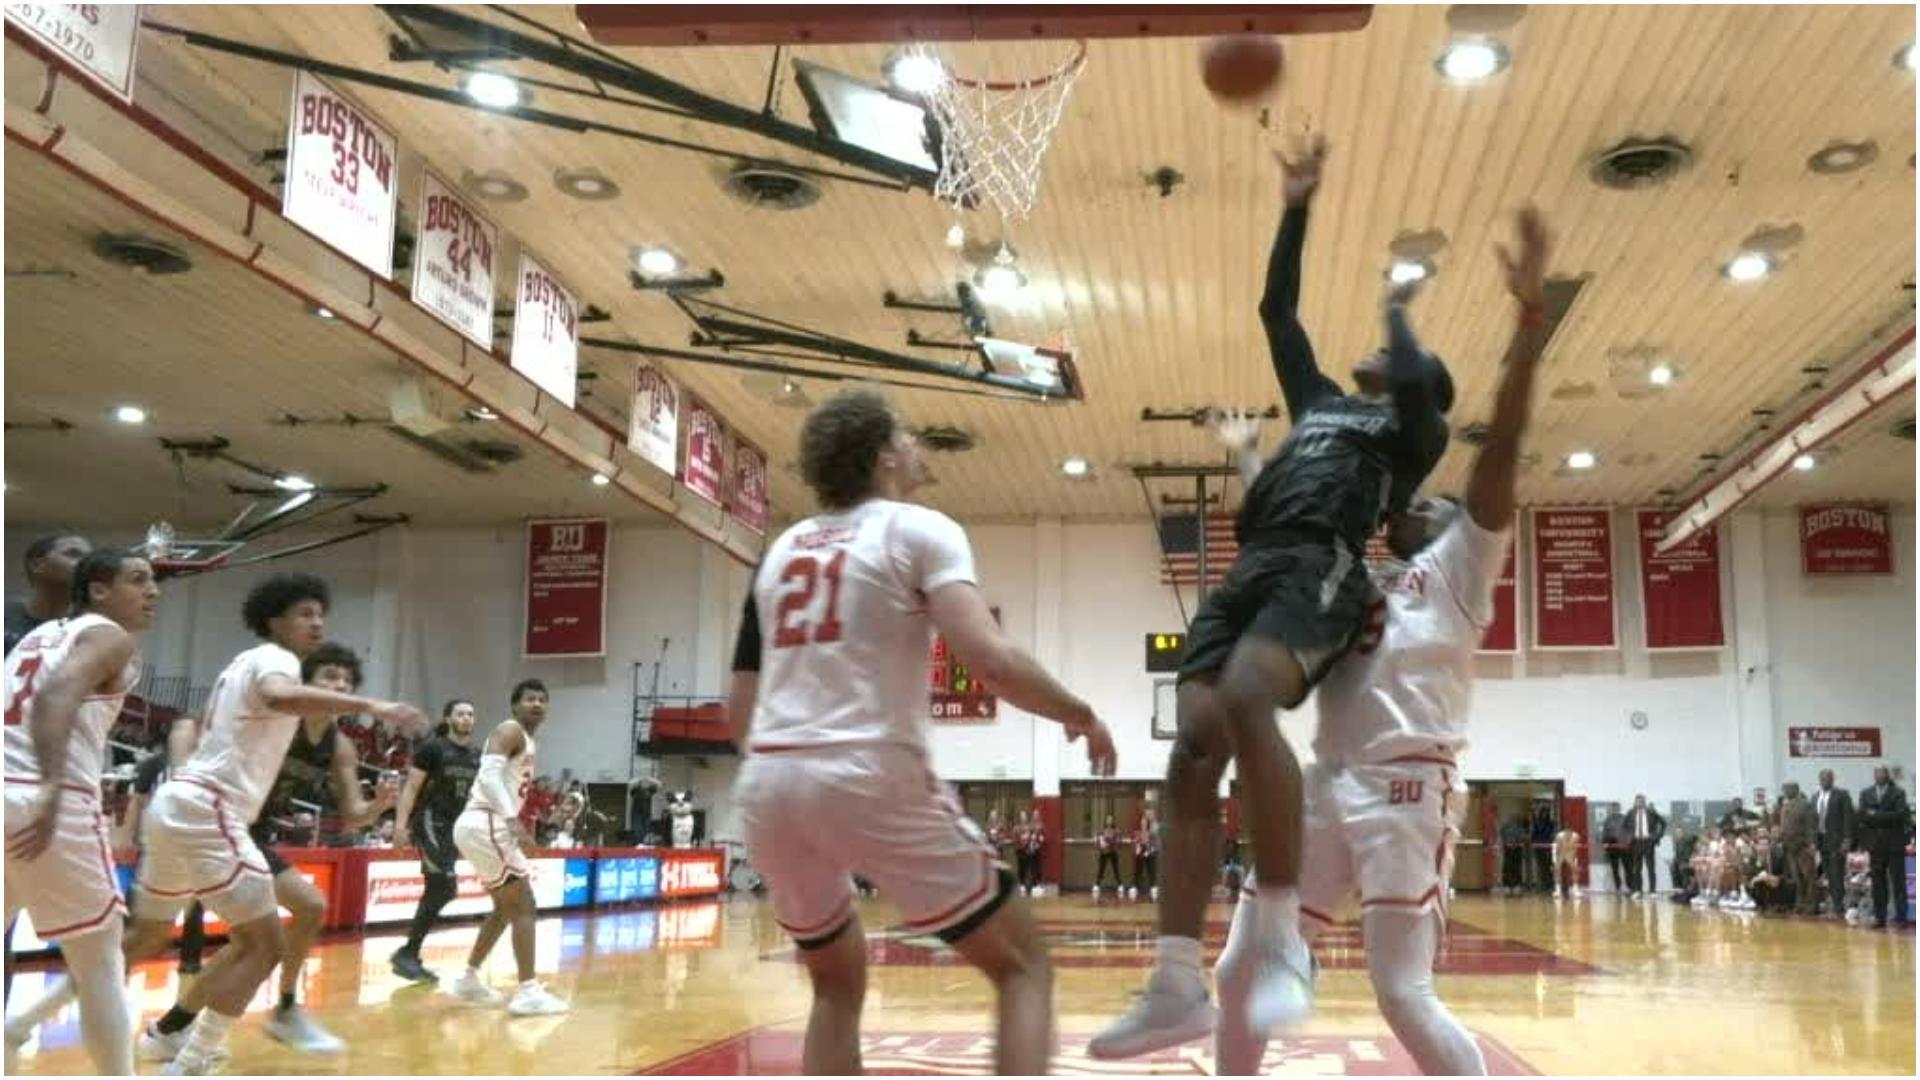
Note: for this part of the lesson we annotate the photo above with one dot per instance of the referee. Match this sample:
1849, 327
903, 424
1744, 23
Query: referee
443, 769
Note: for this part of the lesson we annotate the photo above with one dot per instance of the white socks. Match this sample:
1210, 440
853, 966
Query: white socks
208, 1035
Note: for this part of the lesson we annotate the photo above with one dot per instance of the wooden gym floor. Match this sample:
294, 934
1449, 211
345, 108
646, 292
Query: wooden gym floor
1594, 986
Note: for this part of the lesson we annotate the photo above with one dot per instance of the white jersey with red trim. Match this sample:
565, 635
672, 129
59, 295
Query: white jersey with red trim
842, 605
515, 775
1405, 688
243, 743
28, 666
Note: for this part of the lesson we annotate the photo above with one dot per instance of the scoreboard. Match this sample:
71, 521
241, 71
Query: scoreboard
1165, 652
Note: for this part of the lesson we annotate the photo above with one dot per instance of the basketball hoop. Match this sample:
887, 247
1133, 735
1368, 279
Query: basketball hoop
995, 131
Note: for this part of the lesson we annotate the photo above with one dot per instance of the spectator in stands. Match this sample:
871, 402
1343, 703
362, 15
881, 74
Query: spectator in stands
1645, 828
1857, 898
1769, 881
1884, 824
49, 563
1833, 816
1613, 837
1685, 844
1513, 852
1566, 861
1795, 837
1739, 819
1543, 830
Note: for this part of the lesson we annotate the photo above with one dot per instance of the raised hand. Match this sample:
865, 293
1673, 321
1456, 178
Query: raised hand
1302, 170
1235, 428
1526, 268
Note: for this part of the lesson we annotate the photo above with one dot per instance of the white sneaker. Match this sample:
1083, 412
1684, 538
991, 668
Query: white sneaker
1282, 996
154, 1046
469, 988
1096, 893
1167, 1015
534, 1000
190, 1065
1154, 894
299, 1031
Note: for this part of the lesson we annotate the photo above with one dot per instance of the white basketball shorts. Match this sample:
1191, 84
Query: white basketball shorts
1386, 832
197, 848
486, 840
69, 890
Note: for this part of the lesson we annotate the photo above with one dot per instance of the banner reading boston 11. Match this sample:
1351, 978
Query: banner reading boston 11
567, 587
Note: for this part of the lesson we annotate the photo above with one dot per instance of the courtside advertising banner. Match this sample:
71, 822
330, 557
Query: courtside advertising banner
1503, 633
692, 873
1573, 606
1680, 589
1846, 539
653, 423
749, 487
453, 262
546, 331
98, 39
343, 175
394, 887
705, 473
567, 588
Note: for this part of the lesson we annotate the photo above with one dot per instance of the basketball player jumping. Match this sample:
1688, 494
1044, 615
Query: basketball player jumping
490, 835
438, 784
64, 683
1293, 602
1384, 797
831, 708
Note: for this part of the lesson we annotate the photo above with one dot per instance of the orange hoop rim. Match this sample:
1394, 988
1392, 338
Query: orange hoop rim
1074, 63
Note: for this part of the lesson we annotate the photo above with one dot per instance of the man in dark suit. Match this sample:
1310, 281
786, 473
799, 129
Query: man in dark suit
1883, 832
1833, 811
1645, 827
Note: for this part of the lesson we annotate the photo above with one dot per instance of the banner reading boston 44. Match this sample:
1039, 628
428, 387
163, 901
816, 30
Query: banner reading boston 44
453, 265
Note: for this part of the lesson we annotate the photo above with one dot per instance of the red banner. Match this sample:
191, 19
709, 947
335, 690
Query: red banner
705, 470
1841, 742
750, 487
1503, 633
1573, 604
1680, 590
567, 587
1854, 539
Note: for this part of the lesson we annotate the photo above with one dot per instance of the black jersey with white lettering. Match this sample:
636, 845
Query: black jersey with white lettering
450, 769
305, 782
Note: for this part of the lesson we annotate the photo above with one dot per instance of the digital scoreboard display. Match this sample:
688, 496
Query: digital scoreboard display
1165, 652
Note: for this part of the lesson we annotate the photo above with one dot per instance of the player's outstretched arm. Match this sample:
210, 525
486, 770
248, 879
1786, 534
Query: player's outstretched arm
1301, 381
285, 695
97, 658
964, 619
1490, 487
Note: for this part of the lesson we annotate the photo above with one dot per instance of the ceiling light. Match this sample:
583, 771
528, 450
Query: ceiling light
657, 261
494, 186
585, 184
1000, 279
1075, 467
481, 412
1905, 58
293, 483
130, 414
601, 480
1660, 375
321, 311
1406, 271
915, 73
493, 90
957, 236
1749, 266
1804, 463
1471, 61
1582, 459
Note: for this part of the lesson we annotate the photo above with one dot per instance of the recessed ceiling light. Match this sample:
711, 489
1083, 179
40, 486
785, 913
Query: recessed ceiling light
1804, 463
495, 186
1404, 271
1749, 266
915, 73
1843, 157
481, 412
293, 483
1582, 459
657, 261
957, 236
130, 414
1000, 279
493, 90
321, 311
601, 480
1075, 467
1472, 61
585, 184
1660, 375
1906, 58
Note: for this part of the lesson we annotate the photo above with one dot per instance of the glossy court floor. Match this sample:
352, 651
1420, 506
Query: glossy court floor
1595, 986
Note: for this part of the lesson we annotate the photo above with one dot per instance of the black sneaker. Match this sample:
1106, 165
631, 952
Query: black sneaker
408, 966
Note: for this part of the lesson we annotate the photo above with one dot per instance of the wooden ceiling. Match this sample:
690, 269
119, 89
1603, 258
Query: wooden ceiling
1158, 293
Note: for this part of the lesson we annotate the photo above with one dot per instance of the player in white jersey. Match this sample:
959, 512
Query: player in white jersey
1384, 798
831, 709
64, 683
489, 835
195, 830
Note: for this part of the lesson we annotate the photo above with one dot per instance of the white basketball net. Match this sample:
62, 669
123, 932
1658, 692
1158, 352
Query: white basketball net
995, 130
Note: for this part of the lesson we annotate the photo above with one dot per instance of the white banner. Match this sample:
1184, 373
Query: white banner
99, 39
653, 424
394, 887
546, 331
343, 175
453, 262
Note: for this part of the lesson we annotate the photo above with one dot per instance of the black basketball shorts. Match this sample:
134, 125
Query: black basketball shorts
1310, 596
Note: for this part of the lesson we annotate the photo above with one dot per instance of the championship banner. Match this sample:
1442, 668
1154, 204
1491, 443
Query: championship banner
1573, 606
1851, 539
1680, 590
342, 175
653, 423
566, 588
97, 39
749, 487
1834, 742
1503, 633
705, 471
955, 696
453, 262
546, 331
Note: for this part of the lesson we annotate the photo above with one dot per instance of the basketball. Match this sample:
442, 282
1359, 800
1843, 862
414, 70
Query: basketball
1241, 68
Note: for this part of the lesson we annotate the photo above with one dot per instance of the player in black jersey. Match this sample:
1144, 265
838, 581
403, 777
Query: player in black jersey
321, 775
437, 784
1292, 603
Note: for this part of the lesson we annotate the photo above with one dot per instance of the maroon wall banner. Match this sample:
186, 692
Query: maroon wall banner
1503, 633
749, 487
1573, 606
1680, 590
705, 473
1844, 742
1849, 539
567, 587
